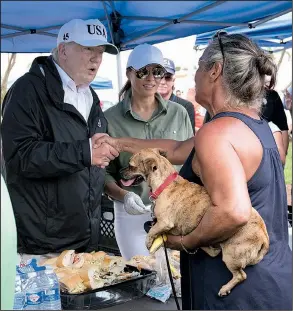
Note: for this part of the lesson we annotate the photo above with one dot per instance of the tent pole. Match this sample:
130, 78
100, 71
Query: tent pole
119, 71
175, 21
23, 31
198, 22
109, 23
281, 58
261, 21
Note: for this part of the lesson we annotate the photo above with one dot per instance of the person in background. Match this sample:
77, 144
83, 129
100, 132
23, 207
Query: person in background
288, 99
8, 249
287, 102
273, 111
166, 89
178, 93
51, 118
141, 113
199, 111
279, 141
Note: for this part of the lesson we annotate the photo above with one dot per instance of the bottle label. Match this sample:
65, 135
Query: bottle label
34, 298
52, 294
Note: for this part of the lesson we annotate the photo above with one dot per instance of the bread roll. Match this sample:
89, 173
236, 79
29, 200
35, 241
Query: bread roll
78, 261
49, 262
99, 255
65, 259
88, 257
73, 284
91, 278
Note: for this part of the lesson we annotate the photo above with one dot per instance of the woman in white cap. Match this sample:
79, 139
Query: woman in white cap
141, 113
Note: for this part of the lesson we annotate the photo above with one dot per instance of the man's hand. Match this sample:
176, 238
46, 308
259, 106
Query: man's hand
133, 204
102, 155
99, 140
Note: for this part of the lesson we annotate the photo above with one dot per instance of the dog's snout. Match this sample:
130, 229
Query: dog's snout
124, 172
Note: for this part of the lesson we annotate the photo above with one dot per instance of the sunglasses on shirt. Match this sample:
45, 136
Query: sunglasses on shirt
158, 72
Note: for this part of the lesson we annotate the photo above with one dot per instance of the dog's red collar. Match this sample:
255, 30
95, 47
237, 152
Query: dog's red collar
165, 184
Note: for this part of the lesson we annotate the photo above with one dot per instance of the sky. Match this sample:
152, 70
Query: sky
180, 51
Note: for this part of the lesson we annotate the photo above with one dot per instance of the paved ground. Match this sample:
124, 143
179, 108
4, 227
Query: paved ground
146, 303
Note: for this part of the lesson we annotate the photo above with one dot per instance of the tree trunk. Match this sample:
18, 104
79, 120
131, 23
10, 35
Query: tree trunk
4, 80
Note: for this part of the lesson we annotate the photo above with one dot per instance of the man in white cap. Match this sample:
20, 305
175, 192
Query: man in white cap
51, 117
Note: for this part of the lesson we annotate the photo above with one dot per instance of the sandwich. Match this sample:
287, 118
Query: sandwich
78, 261
91, 278
127, 275
72, 284
88, 257
65, 271
65, 259
143, 262
98, 257
113, 264
49, 262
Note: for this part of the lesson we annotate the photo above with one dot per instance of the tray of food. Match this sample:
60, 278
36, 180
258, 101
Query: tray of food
97, 280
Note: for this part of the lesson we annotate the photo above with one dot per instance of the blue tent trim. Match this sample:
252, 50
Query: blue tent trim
32, 26
276, 33
101, 84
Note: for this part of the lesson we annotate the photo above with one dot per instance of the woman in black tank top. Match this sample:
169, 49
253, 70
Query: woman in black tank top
239, 165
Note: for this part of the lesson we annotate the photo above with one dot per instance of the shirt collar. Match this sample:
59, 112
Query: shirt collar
126, 103
67, 81
172, 97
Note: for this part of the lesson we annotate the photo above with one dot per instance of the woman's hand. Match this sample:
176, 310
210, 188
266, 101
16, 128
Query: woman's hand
174, 242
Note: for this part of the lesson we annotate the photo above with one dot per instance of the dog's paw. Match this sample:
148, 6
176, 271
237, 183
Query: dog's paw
149, 242
224, 291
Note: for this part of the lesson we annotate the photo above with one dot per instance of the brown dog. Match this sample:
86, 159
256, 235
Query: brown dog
180, 208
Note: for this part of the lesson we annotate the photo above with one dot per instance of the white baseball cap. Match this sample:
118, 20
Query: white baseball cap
89, 32
143, 55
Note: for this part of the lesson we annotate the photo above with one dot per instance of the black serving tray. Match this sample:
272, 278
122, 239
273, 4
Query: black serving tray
111, 295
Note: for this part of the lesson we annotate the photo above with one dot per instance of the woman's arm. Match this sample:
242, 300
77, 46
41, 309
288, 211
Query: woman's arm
177, 151
224, 178
280, 144
114, 191
278, 135
285, 140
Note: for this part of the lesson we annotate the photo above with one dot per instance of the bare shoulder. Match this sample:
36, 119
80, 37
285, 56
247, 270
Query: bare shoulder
221, 130
213, 130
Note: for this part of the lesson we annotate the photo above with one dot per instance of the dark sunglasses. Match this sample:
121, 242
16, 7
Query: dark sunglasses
218, 36
168, 77
158, 72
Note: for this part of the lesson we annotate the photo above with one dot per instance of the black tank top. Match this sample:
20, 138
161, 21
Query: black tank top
269, 283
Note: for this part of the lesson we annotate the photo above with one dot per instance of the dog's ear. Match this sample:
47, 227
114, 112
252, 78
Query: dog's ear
150, 165
161, 152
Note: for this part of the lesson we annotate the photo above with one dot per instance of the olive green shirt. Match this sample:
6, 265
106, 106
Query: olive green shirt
170, 121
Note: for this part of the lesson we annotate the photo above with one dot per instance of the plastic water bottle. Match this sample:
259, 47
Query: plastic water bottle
19, 295
34, 291
52, 299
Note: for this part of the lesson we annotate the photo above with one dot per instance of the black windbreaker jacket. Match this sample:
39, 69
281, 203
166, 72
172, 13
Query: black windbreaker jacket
55, 192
